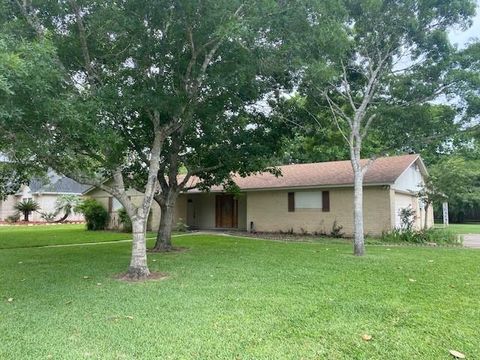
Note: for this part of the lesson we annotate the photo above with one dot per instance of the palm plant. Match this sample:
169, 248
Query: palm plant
48, 216
26, 207
67, 205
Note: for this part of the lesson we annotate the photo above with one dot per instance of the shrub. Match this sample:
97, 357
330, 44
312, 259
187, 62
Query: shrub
13, 218
401, 235
48, 216
125, 220
95, 214
407, 218
441, 236
26, 207
336, 230
181, 226
432, 235
67, 204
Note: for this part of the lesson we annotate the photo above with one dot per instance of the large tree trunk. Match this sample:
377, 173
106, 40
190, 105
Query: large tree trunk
138, 269
26, 215
164, 234
359, 241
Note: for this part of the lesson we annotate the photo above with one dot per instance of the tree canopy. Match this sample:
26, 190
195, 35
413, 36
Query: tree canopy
135, 91
144, 89
396, 56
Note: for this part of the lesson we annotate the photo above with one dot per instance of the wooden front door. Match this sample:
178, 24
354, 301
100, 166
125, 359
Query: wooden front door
226, 211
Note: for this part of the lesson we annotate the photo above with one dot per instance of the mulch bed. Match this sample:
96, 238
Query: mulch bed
283, 236
317, 239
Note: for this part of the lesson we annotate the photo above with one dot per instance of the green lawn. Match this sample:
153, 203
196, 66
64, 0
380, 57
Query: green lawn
464, 228
32, 236
233, 298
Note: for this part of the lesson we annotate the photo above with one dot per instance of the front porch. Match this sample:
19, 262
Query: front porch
216, 211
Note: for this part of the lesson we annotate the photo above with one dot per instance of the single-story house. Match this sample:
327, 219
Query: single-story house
306, 198
46, 193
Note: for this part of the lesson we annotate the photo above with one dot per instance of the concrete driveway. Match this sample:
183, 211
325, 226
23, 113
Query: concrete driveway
471, 241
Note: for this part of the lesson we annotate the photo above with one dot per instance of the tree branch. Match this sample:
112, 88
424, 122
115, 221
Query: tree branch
336, 109
31, 19
348, 140
92, 75
347, 87
196, 84
367, 125
367, 165
161, 178
193, 58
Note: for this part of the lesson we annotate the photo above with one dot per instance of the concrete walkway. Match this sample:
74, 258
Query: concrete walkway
100, 242
471, 241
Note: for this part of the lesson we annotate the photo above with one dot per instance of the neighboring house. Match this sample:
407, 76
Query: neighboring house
112, 205
305, 198
45, 193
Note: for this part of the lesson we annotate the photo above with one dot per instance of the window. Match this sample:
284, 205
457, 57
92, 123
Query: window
309, 200
117, 205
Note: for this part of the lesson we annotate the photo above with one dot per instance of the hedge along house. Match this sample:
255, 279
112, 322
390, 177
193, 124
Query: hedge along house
305, 198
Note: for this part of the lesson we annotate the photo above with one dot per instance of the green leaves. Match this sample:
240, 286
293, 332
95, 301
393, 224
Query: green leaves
27, 207
457, 180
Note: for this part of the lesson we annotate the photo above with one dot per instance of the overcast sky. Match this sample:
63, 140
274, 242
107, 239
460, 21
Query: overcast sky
462, 38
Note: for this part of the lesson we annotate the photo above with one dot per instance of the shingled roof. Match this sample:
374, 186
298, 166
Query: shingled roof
63, 185
383, 171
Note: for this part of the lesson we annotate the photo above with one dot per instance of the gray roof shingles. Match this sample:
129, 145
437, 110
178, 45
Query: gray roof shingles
62, 185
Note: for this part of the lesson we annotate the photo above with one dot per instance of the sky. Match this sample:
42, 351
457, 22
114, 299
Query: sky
462, 38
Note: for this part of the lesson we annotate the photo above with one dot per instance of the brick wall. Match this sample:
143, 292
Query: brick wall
269, 212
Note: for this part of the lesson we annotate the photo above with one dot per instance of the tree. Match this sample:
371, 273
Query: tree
77, 129
12, 177
398, 56
26, 207
452, 179
209, 160
66, 204
227, 58
220, 68
126, 82
430, 130
16, 69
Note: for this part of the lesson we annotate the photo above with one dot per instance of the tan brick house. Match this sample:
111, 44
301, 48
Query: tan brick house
305, 198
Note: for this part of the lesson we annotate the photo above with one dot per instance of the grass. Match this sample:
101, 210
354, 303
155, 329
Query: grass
461, 229
34, 236
237, 298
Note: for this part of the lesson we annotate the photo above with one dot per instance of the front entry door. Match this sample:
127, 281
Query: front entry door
191, 216
226, 211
